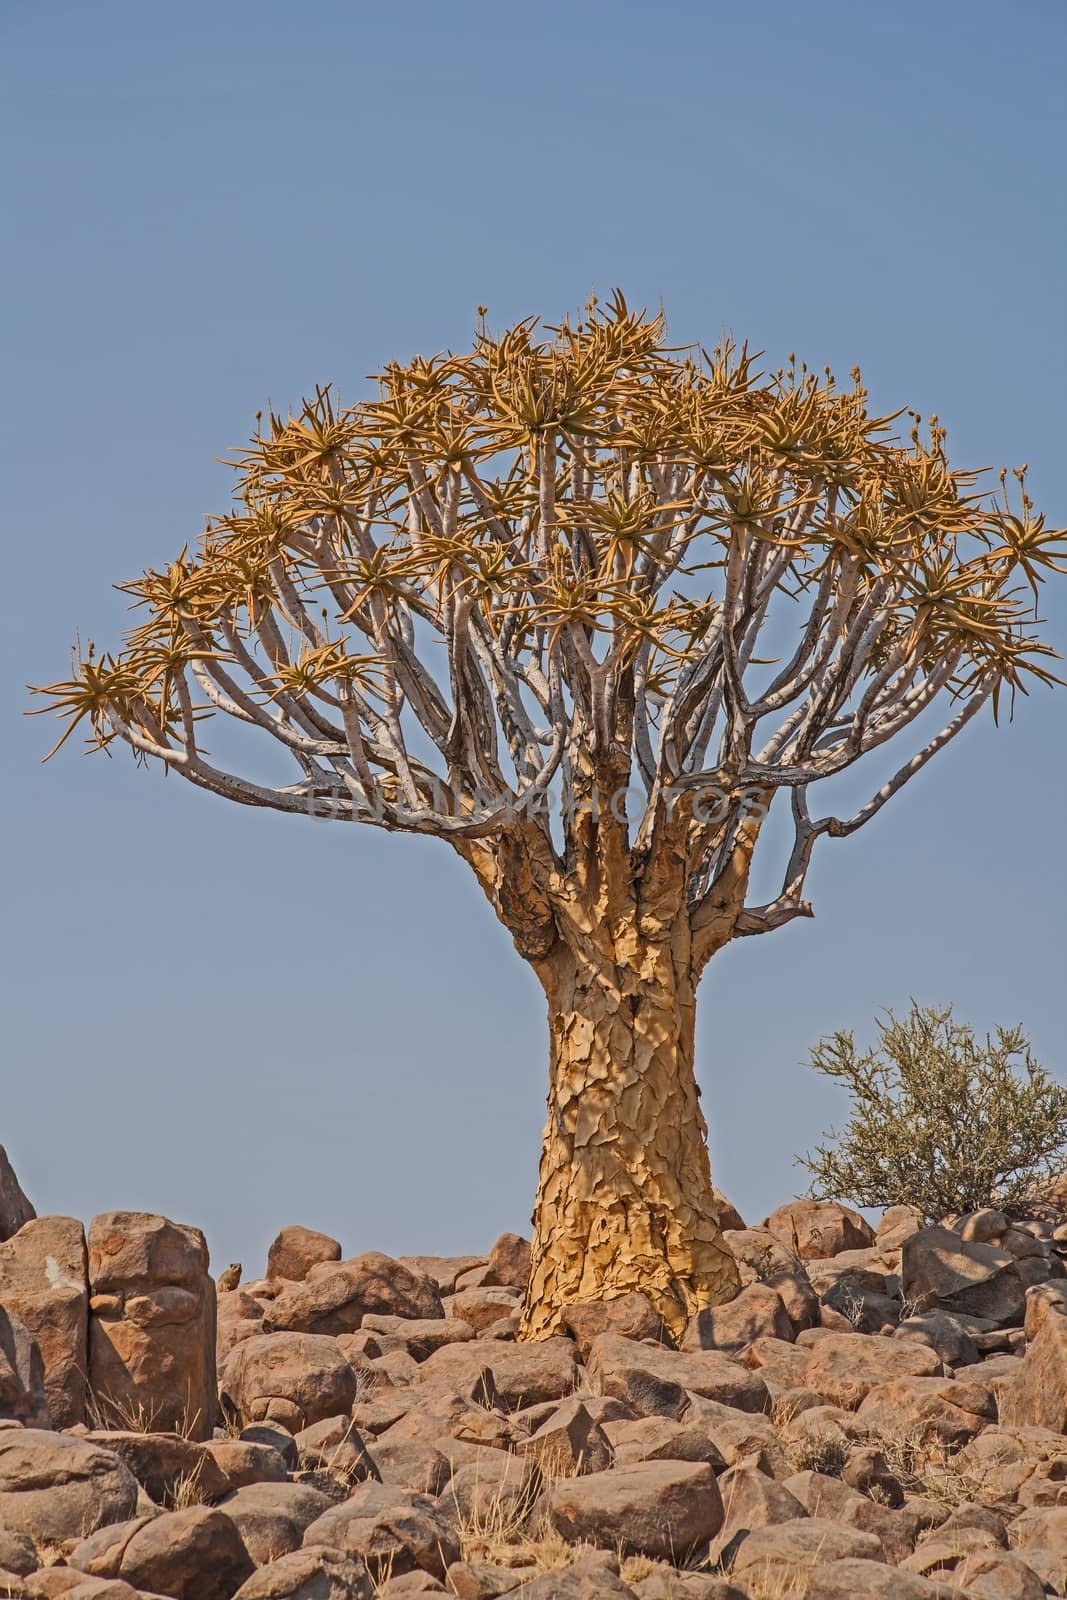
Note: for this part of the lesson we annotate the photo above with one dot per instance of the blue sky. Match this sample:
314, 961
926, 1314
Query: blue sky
244, 1020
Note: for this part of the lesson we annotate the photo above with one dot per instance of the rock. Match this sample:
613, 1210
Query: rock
163, 1462
779, 1361
569, 1441
313, 1573
845, 1367
54, 1487
656, 1381
44, 1281
942, 1332
480, 1308
661, 1509
195, 1554
409, 1464
419, 1336
336, 1296
241, 1462
896, 1224
480, 1580
15, 1209
22, 1392
579, 1582
929, 1410
523, 1374
391, 1529
490, 1493
867, 1471
756, 1313
1040, 1300
994, 1575
869, 1580
444, 1270
509, 1263
17, 1553
441, 1414
631, 1316
292, 1378
941, 1270
832, 1499
668, 1584
750, 1500
152, 1323
335, 1445
795, 1547
661, 1439
1038, 1396
760, 1254
295, 1250
272, 1518
739, 1435
815, 1228
275, 1435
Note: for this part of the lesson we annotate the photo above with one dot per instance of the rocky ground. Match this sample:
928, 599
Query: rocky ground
880, 1413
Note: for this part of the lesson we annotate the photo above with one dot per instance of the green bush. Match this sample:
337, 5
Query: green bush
940, 1120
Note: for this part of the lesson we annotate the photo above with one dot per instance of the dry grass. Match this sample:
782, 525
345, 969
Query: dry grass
106, 1414
821, 1452
186, 1491
775, 1582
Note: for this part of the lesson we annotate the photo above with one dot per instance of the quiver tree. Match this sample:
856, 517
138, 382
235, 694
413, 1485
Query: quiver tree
587, 608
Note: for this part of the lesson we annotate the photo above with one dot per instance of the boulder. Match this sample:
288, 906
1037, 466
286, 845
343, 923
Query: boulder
739, 1435
418, 1336
941, 1270
15, 1209
54, 1487
496, 1490
241, 1461
523, 1374
750, 1500
17, 1553
164, 1463
658, 1382
943, 1332
390, 1529
336, 1296
196, 1554
22, 1392
152, 1323
845, 1367
335, 1445
995, 1575
295, 1250
758, 1312
313, 1573
509, 1263
1040, 1300
411, 1464
631, 1316
662, 1439
272, 1518
444, 1270
896, 1223
853, 1579
568, 1441
986, 1226
44, 1281
441, 1414
663, 1509
292, 1378
818, 1228
480, 1308
796, 1547
830, 1498
582, 1581
1038, 1395
928, 1410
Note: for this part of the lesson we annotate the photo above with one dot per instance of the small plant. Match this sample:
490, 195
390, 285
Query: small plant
940, 1120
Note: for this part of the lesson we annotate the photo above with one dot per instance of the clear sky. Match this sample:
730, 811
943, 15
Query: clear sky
243, 1019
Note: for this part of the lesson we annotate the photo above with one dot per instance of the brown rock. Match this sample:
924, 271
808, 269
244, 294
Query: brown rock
896, 1224
986, 1226
1038, 1396
444, 1270
190, 1555
241, 1461
757, 1312
17, 1553
656, 1381
390, 1528
816, 1228
43, 1280
845, 1367
522, 1373
830, 1498
494, 1490
509, 1263
583, 1581
419, 1336
750, 1500
795, 1547
295, 1250
869, 1580
939, 1269
313, 1573
867, 1471
152, 1323
760, 1254
480, 1308
994, 1575
779, 1361
929, 1409
164, 1462
409, 1464
440, 1413
22, 1393
271, 1518
569, 1441
666, 1583
739, 1435
944, 1333
1040, 1300
292, 1378
481, 1580
661, 1439
336, 1296
796, 1292
631, 1316
663, 1509
54, 1487
15, 1209
335, 1445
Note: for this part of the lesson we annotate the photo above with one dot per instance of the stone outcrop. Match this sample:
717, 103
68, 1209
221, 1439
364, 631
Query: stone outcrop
44, 1281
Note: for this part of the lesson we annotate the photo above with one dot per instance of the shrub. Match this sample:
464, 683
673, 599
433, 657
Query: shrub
940, 1120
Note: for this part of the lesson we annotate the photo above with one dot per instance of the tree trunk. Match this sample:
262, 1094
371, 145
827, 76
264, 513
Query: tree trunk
625, 1199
